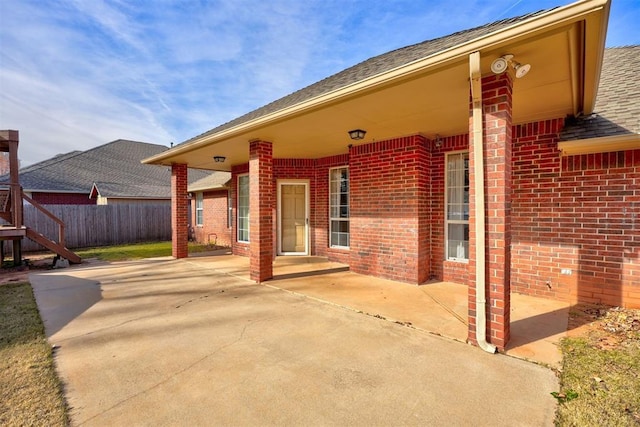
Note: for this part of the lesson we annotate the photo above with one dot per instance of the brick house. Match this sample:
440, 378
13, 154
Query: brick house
211, 211
479, 158
108, 174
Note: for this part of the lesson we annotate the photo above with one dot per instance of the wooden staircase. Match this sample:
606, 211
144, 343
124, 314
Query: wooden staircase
11, 204
57, 248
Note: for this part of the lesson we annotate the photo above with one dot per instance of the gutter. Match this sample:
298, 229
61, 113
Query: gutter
478, 171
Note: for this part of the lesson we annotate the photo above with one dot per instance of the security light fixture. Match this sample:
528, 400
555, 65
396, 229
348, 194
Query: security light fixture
501, 64
521, 69
219, 159
357, 134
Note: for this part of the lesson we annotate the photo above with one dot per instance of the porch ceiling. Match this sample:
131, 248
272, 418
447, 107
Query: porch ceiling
431, 98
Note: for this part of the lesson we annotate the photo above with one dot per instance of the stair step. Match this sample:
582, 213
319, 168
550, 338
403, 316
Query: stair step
53, 246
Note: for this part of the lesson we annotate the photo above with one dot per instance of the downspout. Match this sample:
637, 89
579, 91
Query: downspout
478, 171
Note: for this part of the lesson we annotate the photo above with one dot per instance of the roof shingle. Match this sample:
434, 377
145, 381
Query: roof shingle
370, 68
617, 108
114, 167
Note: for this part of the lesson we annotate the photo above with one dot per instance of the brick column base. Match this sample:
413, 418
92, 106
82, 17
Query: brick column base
261, 208
497, 128
179, 211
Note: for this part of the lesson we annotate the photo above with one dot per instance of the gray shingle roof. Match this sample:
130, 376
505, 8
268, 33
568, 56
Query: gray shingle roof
214, 181
369, 68
617, 108
115, 168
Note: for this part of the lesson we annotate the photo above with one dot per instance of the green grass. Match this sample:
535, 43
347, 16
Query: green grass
135, 251
30, 392
601, 372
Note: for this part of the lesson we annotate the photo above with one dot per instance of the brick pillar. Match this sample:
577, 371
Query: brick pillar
179, 211
261, 206
497, 124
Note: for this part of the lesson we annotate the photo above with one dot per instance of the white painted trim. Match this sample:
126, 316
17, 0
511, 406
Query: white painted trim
307, 208
329, 208
605, 144
238, 210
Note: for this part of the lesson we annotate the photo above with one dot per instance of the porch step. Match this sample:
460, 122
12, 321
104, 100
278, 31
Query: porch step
298, 259
53, 246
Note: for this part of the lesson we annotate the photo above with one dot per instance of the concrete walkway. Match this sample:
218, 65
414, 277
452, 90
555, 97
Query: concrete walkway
174, 342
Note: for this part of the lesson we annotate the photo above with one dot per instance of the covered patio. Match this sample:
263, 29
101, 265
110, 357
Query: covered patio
437, 307
162, 341
410, 166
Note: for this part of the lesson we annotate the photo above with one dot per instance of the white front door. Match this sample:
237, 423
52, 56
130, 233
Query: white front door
293, 217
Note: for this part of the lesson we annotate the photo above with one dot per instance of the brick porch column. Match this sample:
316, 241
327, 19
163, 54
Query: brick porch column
261, 206
497, 125
179, 211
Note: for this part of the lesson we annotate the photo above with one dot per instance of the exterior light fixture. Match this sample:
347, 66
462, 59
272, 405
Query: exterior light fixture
219, 159
438, 141
500, 65
357, 134
521, 69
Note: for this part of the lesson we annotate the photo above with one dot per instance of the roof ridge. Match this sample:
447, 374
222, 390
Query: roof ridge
66, 156
51, 161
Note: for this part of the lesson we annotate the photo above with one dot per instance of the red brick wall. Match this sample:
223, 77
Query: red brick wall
388, 202
179, 211
214, 219
580, 214
63, 199
496, 145
262, 204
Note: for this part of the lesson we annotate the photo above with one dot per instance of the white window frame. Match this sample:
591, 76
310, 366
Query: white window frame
346, 219
448, 221
199, 209
229, 210
241, 198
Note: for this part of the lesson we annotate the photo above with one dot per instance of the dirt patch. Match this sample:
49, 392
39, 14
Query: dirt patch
610, 327
21, 273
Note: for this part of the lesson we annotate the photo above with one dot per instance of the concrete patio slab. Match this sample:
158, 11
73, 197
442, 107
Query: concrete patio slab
165, 342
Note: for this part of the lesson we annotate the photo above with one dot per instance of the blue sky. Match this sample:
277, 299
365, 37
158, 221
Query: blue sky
75, 74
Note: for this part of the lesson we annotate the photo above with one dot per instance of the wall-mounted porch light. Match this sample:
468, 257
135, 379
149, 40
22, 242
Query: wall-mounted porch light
219, 159
357, 134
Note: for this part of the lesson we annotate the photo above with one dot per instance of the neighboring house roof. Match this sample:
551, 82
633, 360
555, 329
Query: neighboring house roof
369, 68
113, 169
217, 180
617, 108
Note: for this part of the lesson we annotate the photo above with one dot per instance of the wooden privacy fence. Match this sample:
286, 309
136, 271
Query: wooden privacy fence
101, 225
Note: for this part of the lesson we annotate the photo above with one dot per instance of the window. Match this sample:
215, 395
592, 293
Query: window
457, 206
339, 207
243, 208
229, 210
199, 209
